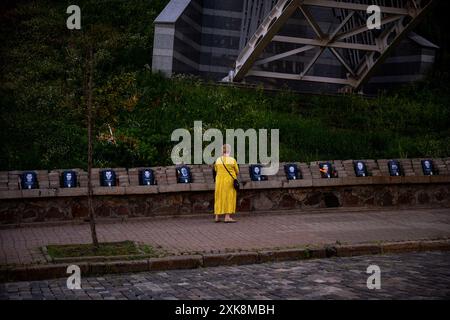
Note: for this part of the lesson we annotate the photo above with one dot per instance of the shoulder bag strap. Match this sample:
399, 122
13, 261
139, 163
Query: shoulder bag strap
226, 168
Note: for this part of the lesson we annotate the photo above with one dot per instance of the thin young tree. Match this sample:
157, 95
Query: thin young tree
88, 98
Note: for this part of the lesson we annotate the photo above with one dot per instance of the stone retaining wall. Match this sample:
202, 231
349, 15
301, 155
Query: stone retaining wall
128, 199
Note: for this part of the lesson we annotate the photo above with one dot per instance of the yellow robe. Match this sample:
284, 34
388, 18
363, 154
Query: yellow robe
225, 194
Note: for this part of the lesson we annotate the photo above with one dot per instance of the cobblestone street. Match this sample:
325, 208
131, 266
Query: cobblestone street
404, 276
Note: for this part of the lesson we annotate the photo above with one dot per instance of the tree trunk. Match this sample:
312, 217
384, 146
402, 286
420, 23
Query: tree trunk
90, 71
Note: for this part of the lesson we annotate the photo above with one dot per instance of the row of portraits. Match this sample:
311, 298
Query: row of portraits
147, 177
108, 178
360, 167
69, 179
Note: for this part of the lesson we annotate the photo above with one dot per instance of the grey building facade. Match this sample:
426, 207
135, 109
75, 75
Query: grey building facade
205, 37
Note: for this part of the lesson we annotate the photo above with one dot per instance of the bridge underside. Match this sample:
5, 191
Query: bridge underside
315, 45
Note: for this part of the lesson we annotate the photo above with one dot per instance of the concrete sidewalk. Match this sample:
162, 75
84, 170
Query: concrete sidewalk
268, 231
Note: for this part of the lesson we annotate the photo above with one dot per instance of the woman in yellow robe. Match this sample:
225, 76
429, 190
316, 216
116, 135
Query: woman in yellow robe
225, 194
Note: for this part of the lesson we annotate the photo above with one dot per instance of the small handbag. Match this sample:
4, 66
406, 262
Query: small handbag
236, 183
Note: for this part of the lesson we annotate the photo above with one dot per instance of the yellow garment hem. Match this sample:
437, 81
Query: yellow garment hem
222, 214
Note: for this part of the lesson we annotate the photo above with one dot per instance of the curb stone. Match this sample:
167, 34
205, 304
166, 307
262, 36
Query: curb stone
100, 268
282, 255
51, 271
228, 259
358, 250
176, 262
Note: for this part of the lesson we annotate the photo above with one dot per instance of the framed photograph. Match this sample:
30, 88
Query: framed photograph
292, 171
360, 169
256, 173
146, 177
28, 180
69, 179
326, 170
107, 178
184, 174
394, 168
428, 168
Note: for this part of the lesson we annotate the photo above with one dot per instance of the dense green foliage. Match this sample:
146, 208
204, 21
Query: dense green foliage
43, 113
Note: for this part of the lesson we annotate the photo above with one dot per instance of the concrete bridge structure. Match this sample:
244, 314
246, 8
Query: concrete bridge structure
307, 45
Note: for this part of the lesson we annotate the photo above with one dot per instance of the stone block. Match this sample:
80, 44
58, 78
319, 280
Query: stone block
327, 182
83, 179
162, 182
435, 245
282, 255
196, 169
45, 272
303, 183
395, 180
54, 180
171, 180
141, 190
33, 193
381, 180
383, 166
416, 179
443, 170
272, 184
13, 184
400, 247
440, 179
11, 194
71, 192
48, 193
228, 259
200, 187
108, 191
134, 181
101, 268
357, 250
124, 181
178, 262
177, 187
356, 181
95, 179
317, 253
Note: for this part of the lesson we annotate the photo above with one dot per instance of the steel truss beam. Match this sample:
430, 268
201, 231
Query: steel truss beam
396, 23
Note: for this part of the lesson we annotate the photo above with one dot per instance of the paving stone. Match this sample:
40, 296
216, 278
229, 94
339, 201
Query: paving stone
424, 275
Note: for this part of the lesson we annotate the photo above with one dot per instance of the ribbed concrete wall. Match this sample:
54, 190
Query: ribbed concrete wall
204, 37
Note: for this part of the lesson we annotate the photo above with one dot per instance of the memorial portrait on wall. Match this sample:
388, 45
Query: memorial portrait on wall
326, 170
256, 173
184, 174
360, 169
29, 180
394, 168
428, 168
108, 178
146, 177
69, 179
292, 172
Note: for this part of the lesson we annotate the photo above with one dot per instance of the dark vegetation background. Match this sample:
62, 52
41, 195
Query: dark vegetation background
43, 112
